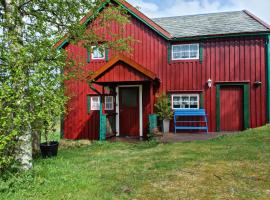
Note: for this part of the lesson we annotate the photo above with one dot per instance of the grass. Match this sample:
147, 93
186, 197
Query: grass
229, 167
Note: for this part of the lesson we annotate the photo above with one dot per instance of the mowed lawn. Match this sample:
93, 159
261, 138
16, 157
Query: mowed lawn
229, 167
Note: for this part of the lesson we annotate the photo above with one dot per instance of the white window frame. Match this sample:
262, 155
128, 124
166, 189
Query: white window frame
95, 105
189, 58
97, 58
183, 94
111, 103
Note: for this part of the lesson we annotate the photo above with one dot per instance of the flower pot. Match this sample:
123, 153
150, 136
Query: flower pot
165, 126
49, 150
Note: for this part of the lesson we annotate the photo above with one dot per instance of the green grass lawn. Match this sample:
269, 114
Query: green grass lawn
229, 167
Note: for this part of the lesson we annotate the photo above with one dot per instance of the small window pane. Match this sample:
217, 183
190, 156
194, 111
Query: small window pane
193, 54
95, 103
193, 47
109, 103
184, 47
184, 54
177, 55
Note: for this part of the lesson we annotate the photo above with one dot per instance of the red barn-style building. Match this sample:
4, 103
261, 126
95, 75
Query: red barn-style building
179, 56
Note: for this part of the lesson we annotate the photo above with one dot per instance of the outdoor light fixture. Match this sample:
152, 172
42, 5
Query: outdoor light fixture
257, 83
209, 83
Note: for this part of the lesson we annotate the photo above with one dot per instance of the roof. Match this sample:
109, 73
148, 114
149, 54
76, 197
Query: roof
131, 63
212, 24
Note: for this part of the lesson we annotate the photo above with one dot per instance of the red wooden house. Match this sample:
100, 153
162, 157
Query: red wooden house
181, 56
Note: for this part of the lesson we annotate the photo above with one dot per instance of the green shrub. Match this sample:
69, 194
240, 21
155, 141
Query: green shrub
163, 108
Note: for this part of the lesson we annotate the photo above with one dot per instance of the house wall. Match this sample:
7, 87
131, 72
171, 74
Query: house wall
224, 59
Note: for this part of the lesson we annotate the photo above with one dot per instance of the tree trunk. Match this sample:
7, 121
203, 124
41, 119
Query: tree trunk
36, 143
24, 151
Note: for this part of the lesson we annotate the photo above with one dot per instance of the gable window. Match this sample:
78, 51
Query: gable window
185, 51
97, 53
109, 103
185, 101
95, 103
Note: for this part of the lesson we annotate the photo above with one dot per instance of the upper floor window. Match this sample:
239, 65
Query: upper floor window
185, 101
98, 53
185, 51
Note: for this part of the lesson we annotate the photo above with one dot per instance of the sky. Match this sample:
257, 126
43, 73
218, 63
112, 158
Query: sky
164, 8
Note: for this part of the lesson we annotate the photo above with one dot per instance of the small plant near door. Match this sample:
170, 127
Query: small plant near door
164, 111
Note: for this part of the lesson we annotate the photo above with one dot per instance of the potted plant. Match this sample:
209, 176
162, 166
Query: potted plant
164, 111
49, 148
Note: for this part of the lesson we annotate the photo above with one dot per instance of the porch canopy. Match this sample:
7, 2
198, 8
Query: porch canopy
122, 69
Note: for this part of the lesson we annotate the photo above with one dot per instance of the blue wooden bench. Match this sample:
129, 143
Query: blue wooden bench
190, 113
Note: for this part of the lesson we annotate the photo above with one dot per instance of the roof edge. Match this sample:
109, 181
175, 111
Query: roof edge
203, 37
266, 25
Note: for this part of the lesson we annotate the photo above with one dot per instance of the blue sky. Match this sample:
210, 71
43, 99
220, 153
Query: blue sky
163, 8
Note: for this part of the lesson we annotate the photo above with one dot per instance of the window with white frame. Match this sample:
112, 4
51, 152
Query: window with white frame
109, 103
185, 51
185, 101
98, 53
95, 103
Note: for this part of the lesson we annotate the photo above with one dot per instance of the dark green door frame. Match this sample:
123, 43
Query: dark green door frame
245, 103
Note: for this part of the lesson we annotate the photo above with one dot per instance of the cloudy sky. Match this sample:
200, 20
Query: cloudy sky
163, 8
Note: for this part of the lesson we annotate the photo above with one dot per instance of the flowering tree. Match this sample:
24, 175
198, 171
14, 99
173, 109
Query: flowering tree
31, 82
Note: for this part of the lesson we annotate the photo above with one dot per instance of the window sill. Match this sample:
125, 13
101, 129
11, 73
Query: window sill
183, 61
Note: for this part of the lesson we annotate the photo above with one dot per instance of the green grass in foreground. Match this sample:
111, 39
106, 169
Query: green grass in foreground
230, 167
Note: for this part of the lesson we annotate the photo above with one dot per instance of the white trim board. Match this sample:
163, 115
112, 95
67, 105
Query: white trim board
140, 108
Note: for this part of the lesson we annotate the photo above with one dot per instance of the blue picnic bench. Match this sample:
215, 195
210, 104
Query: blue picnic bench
190, 113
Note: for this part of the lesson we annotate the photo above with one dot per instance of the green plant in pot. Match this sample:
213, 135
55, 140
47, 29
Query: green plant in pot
164, 111
49, 148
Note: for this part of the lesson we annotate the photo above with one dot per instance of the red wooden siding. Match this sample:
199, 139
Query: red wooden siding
226, 59
231, 108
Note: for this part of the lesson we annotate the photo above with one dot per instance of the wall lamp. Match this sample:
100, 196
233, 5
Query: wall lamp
257, 83
209, 83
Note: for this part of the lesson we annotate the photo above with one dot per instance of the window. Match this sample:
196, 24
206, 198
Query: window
109, 103
185, 101
185, 51
98, 53
95, 103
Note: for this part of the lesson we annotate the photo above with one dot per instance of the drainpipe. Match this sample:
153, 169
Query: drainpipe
268, 76
100, 119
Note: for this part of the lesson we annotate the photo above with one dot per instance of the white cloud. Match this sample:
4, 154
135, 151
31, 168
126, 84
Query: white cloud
145, 7
183, 7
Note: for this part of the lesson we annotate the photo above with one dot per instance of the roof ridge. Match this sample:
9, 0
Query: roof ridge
236, 11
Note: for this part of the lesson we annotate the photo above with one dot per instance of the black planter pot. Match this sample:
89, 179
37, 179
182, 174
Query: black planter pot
49, 150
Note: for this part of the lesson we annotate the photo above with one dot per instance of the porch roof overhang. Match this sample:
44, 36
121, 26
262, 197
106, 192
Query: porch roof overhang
122, 69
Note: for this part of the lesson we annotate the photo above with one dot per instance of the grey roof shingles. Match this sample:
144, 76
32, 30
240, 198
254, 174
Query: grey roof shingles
210, 24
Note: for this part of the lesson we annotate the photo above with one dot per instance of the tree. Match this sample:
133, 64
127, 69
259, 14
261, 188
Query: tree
31, 78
